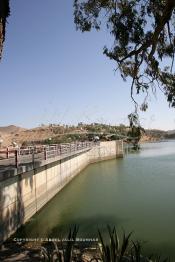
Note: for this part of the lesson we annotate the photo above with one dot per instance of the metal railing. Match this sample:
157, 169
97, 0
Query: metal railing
28, 155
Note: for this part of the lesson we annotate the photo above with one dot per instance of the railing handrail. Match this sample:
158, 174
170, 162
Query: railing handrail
34, 156
43, 152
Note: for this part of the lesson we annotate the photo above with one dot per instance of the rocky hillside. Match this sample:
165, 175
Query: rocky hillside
65, 133
11, 129
10, 134
151, 135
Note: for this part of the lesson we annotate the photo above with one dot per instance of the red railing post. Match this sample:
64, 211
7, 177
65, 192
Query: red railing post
33, 158
7, 153
45, 154
16, 158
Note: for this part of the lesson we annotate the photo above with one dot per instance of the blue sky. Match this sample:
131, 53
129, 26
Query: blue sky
50, 73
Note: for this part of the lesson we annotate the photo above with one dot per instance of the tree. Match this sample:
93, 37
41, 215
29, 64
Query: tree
4, 13
135, 131
143, 34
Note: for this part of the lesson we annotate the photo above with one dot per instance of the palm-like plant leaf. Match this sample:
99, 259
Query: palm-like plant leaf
67, 251
125, 245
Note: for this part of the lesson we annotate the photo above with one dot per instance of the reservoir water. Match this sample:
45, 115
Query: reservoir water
136, 193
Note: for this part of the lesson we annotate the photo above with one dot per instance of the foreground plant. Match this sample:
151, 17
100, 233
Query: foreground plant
115, 250
64, 252
126, 250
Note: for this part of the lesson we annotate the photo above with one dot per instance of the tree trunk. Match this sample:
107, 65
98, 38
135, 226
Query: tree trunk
1, 37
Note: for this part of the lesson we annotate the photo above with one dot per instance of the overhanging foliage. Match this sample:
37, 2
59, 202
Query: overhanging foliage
143, 34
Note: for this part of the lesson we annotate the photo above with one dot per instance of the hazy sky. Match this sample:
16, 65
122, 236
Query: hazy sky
50, 73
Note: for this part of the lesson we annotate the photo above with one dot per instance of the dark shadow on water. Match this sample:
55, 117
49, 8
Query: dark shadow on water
164, 249
88, 227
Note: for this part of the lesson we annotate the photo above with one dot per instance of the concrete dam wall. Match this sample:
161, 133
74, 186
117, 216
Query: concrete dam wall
23, 195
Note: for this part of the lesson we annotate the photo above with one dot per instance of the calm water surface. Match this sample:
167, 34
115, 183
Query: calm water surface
136, 193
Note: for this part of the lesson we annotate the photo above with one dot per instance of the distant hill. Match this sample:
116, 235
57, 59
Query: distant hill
12, 133
11, 129
151, 135
67, 133
170, 132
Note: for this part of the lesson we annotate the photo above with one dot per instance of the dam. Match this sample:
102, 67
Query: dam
26, 186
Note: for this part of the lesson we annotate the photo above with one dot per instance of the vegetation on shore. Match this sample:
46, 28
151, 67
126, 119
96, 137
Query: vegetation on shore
55, 133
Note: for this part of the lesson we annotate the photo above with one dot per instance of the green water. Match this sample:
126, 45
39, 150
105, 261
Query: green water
136, 193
